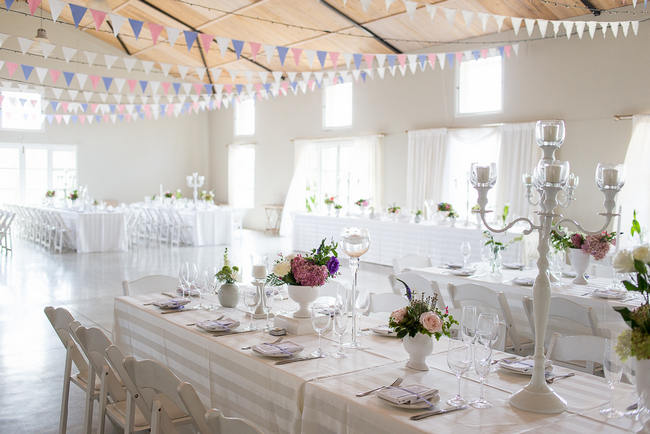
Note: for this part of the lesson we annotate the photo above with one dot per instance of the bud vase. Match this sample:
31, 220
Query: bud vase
580, 262
304, 296
419, 348
228, 295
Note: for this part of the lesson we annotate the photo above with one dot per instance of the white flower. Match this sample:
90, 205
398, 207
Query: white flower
624, 262
281, 269
234, 275
290, 257
642, 253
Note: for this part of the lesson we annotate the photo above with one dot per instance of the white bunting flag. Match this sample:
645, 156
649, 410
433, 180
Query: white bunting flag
268, 51
381, 71
347, 57
431, 10
450, 14
310, 55
410, 8
381, 59
81, 78
568, 28
441, 60
182, 70
73, 93
580, 28
591, 25
402, 69
277, 76
41, 73
165, 68
56, 6
264, 75
147, 65
216, 73
129, 63
200, 72
356, 73
68, 53
542, 24
131, 98
110, 60
634, 3
625, 26
88, 95
187, 88
233, 73
365, 4
46, 48
370, 73
154, 85
249, 76
515, 48
468, 17
483, 17
292, 76
172, 35
57, 92
635, 27
556, 27
413, 62
499, 19
318, 75
516, 24
530, 26
24, 44
90, 57
119, 83
117, 97
116, 21
613, 25
603, 27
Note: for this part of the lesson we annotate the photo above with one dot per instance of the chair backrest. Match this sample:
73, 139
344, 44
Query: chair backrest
566, 313
411, 261
151, 283
219, 424
577, 348
115, 359
194, 407
94, 343
385, 302
483, 297
61, 319
418, 284
330, 289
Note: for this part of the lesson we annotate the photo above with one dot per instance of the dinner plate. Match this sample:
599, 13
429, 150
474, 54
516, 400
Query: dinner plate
513, 266
291, 349
383, 330
463, 272
609, 294
221, 325
419, 405
569, 274
527, 373
171, 303
452, 266
524, 281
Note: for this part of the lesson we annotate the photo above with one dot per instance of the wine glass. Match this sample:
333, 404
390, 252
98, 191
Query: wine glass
202, 287
355, 243
466, 251
267, 304
629, 368
482, 364
459, 360
193, 276
321, 320
468, 324
613, 369
487, 328
184, 279
251, 300
340, 326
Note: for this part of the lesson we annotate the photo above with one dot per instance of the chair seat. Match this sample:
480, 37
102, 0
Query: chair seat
117, 412
81, 382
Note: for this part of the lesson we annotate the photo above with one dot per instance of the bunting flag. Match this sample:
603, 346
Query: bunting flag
190, 37
238, 46
98, 18
155, 30
33, 5
136, 26
206, 41
282, 53
78, 13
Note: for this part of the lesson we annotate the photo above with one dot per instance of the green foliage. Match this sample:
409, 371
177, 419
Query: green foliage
560, 242
227, 274
636, 341
323, 253
636, 226
504, 215
498, 246
418, 212
310, 201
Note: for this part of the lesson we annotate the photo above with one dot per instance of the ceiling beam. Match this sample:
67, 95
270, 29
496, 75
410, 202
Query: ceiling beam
357, 24
589, 5
229, 14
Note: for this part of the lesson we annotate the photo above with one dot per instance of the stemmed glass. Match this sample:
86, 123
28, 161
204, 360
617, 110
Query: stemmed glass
459, 360
355, 243
183, 277
487, 328
629, 368
613, 369
466, 251
340, 320
267, 304
321, 320
468, 324
251, 300
482, 364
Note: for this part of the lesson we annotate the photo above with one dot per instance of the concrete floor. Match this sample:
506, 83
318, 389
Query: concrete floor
31, 355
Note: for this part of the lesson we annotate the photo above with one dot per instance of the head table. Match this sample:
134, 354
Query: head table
317, 396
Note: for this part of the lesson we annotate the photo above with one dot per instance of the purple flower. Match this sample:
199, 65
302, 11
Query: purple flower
333, 265
577, 240
409, 294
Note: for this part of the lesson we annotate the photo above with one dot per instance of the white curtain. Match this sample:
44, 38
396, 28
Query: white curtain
425, 166
368, 152
634, 195
518, 154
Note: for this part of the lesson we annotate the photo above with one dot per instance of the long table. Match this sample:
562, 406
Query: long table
395, 239
95, 231
209, 226
317, 396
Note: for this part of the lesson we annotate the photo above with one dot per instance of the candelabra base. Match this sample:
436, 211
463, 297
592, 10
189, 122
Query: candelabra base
538, 400
294, 326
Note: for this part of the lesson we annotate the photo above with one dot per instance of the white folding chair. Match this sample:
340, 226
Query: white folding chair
565, 316
408, 262
61, 320
385, 302
331, 288
486, 299
153, 283
587, 349
219, 424
418, 284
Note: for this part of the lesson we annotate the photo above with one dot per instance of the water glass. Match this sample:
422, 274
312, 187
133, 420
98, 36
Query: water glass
321, 320
466, 251
487, 329
459, 360
482, 364
251, 300
184, 279
340, 326
613, 369
267, 304
468, 324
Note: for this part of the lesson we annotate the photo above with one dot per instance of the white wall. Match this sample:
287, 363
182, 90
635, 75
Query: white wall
584, 82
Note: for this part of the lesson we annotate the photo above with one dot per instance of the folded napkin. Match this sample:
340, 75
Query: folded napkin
513, 266
269, 349
453, 266
410, 394
609, 293
193, 292
171, 303
523, 365
524, 281
220, 325
462, 271
383, 329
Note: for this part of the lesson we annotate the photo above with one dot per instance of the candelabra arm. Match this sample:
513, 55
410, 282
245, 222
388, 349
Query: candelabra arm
529, 196
578, 226
530, 229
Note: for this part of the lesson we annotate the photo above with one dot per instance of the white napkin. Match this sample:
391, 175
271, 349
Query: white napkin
524, 281
221, 325
383, 329
286, 347
171, 303
523, 365
463, 271
410, 394
609, 293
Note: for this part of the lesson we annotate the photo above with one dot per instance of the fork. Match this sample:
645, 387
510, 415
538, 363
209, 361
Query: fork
550, 380
277, 341
395, 383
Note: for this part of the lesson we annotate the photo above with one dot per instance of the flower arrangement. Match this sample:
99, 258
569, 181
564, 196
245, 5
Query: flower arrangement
178, 194
168, 195
497, 246
74, 195
636, 341
445, 207
476, 208
228, 273
312, 269
338, 206
452, 214
362, 203
207, 196
421, 315
596, 245
50, 193
329, 200
419, 212
394, 209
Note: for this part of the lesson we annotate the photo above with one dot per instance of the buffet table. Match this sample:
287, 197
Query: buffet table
317, 396
94, 231
395, 239
209, 226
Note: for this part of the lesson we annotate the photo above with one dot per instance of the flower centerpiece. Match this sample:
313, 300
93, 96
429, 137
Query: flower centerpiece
74, 195
207, 196
446, 211
580, 248
305, 274
393, 211
417, 323
329, 202
418, 216
362, 204
635, 342
496, 248
50, 194
178, 194
228, 275
337, 209
168, 194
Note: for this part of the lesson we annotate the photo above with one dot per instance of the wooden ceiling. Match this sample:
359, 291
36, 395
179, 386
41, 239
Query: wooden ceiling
307, 24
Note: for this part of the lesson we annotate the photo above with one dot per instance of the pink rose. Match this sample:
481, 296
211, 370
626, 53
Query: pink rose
398, 315
431, 322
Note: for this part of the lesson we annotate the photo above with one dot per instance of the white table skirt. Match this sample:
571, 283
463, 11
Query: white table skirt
394, 239
209, 227
96, 231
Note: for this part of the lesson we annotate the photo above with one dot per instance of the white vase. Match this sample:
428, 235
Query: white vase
580, 262
418, 348
229, 295
304, 296
642, 368
418, 218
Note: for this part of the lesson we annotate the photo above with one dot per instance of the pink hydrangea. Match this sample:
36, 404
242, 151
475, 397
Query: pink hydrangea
577, 240
307, 273
398, 315
596, 245
431, 322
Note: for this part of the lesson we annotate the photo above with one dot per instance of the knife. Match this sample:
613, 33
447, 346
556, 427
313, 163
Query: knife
232, 332
435, 412
298, 359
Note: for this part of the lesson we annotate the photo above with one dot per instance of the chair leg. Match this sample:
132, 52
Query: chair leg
130, 414
102, 401
90, 389
63, 420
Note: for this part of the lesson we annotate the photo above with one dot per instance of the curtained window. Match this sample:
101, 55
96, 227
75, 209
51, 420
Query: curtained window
241, 176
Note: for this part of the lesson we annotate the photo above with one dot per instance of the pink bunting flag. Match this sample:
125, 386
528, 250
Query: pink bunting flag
206, 40
459, 57
64, 106
98, 18
120, 108
285, 86
255, 48
401, 58
155, 30
82, 119
297, 52
507, 49
228, 88
94, 79
484, 53
219, 104
131, 84
11, 68
334, 57
432, 60
93, 108
198, 87
165, 85
33, 5
107, 118
369, 58
58, 118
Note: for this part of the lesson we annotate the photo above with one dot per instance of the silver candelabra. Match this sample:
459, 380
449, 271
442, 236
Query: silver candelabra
195, 181
554, 186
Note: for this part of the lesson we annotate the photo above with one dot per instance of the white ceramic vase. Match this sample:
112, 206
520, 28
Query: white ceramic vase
580, 262
304, 296
418, 348
228, 295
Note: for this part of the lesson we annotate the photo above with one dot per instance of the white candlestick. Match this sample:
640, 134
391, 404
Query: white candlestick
259, 271
552, 173
618, 228
483, 174
610, 177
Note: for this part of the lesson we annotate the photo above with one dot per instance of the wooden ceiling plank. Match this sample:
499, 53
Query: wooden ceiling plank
229, 14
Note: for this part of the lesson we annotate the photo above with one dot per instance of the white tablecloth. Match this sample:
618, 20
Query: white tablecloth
95, 231
395, 239
208, 227
316, 396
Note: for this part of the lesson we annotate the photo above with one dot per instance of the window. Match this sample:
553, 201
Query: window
245, 117
241, 176
27, 172
480, 86
21, 110
337, 105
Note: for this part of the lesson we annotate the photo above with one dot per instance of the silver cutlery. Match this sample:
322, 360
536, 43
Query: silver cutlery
167, 294
277, 341
551, 380
174, 311
232, 332
193, 323
298, 359
436, 412
494, 362
632, 407
395, 383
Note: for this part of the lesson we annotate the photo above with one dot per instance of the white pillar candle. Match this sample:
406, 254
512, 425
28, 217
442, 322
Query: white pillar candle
573, 181
259, 271
551, 133
552, 173
610, 177
483, 174
528, 179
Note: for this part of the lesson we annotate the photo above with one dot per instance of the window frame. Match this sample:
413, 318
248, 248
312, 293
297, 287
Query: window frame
458, 114
236, 117
324, 108
41, 128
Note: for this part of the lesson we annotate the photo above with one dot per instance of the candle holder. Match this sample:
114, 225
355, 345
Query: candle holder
195, 181
554, 187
